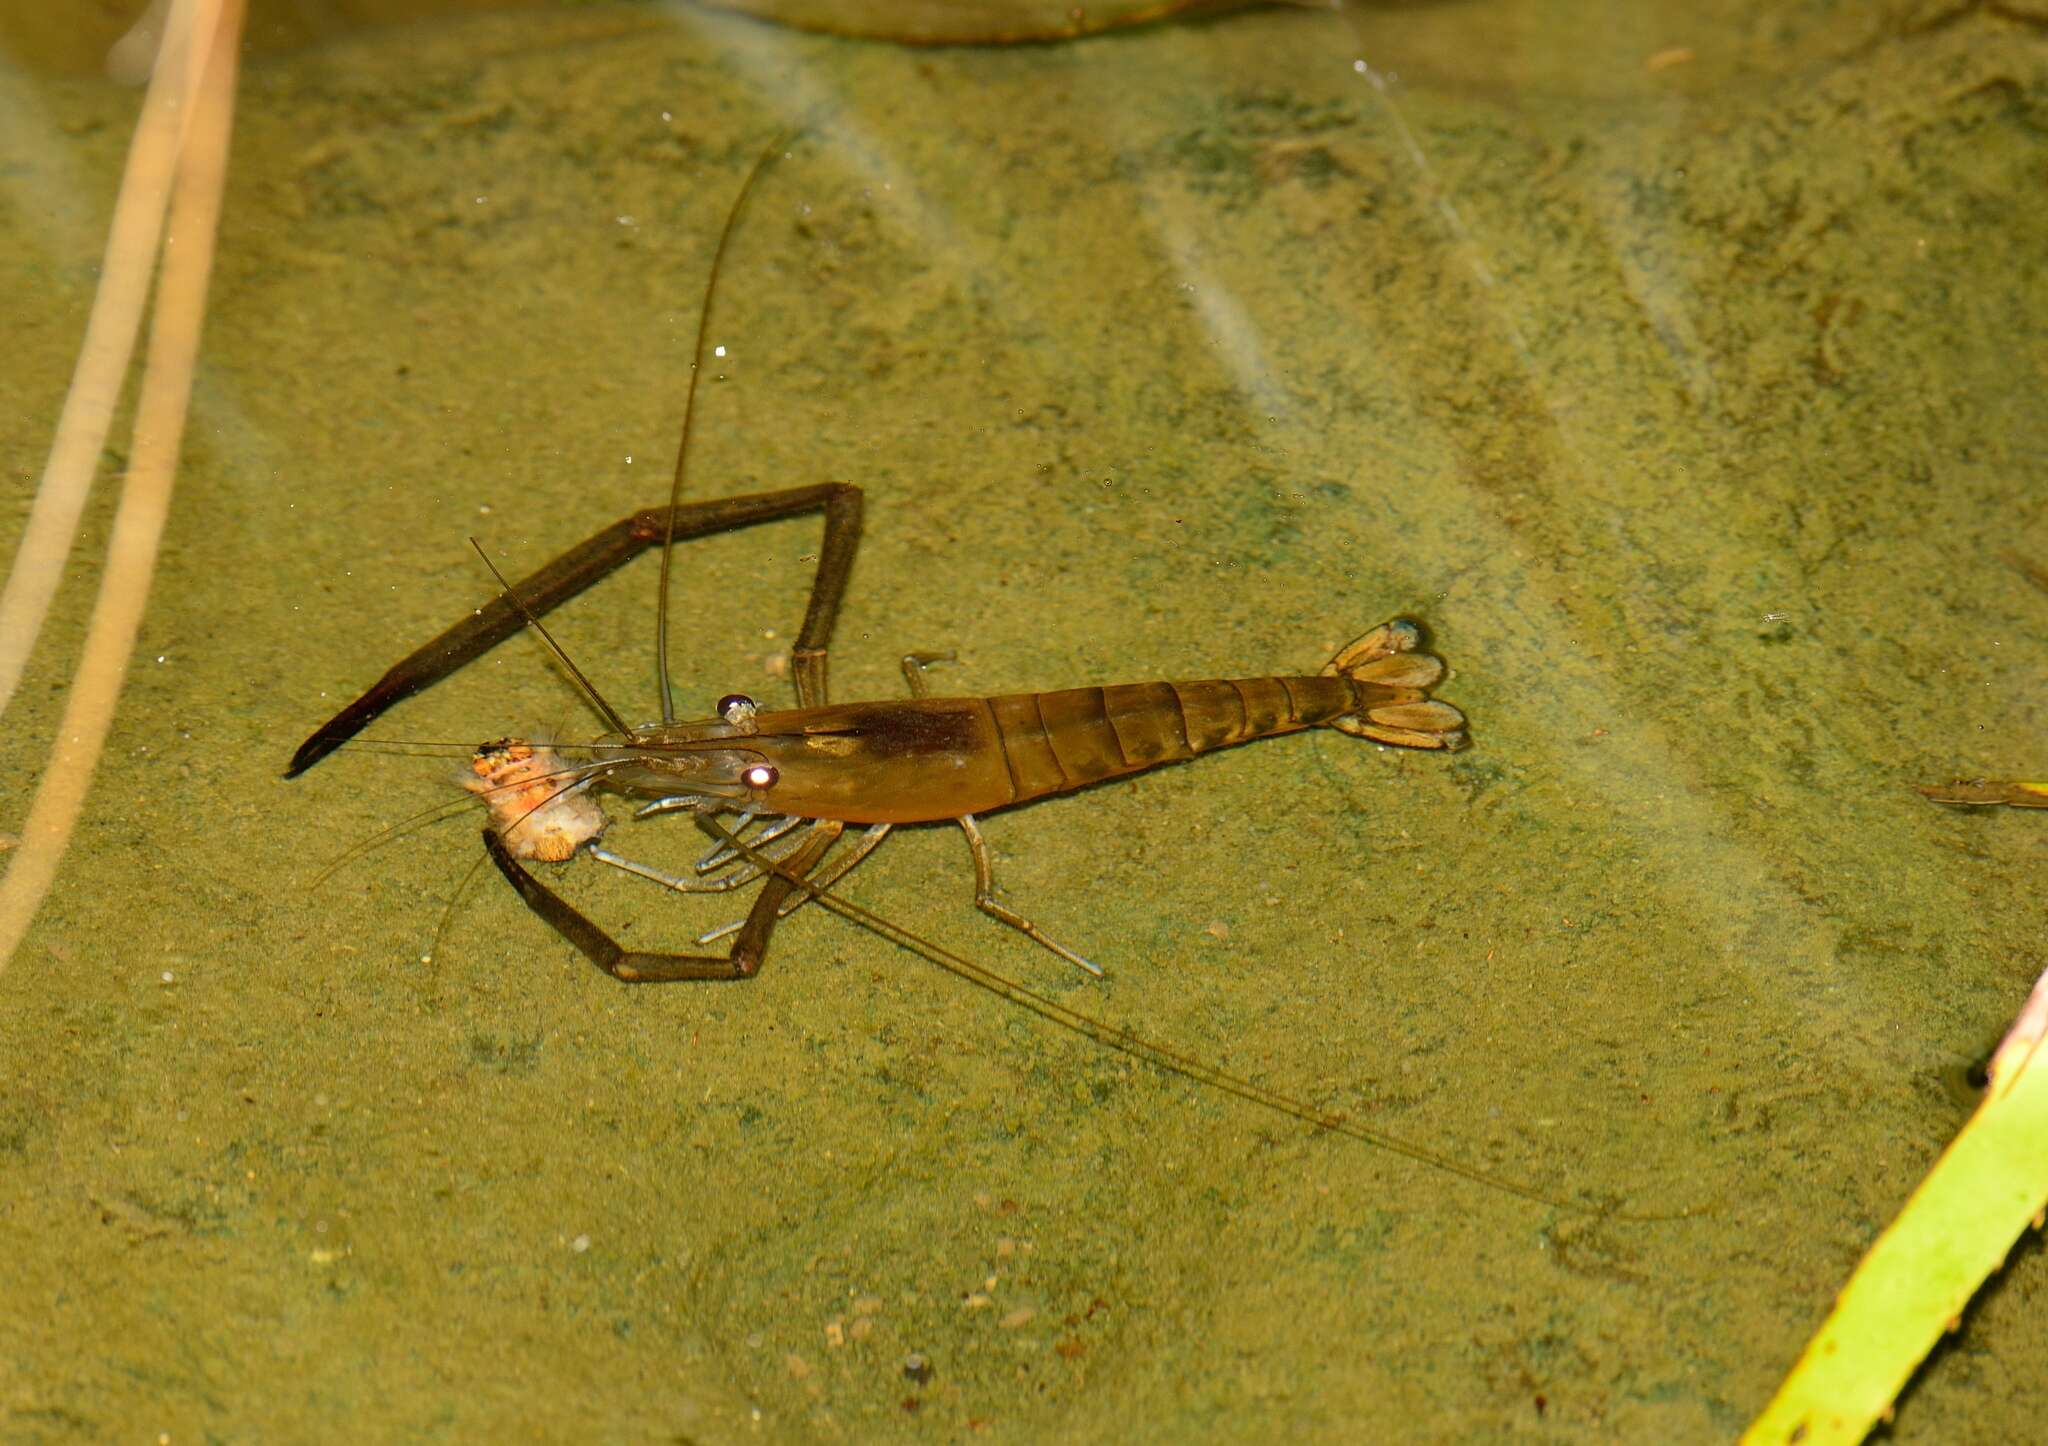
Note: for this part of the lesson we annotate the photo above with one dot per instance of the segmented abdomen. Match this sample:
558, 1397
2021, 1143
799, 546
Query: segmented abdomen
1052, 742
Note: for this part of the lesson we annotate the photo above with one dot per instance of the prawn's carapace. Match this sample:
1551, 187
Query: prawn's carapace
540, 806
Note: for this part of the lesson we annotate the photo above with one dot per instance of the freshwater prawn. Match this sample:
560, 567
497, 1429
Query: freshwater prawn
800, 778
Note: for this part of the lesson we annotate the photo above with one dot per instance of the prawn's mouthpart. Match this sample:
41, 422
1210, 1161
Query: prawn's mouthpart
540, 806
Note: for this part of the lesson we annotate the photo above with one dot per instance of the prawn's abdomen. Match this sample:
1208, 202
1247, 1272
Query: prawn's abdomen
924, 759
1053, 742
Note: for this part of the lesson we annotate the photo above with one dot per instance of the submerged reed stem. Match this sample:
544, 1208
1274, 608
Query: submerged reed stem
181, 149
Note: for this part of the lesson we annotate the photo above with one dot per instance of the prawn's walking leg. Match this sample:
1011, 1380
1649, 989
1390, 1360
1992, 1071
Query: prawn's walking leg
841, 867
763, 856
914, 665
985, 899
602, 555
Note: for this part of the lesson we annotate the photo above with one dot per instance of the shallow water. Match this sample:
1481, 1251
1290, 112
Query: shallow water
1692, 405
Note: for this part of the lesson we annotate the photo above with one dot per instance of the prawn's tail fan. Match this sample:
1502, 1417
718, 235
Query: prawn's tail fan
1393, 679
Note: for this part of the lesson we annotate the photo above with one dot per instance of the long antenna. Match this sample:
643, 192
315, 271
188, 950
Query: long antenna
675, 491
1162, 1057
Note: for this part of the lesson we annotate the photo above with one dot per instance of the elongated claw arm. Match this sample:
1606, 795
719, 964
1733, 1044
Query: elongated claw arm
629, 966
588, 562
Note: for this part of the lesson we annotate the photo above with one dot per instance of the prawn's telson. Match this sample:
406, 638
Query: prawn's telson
539, 804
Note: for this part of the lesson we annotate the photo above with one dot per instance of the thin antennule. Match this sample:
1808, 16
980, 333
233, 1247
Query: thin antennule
425, 818
675, 491
611, 714
448, 914
482, 794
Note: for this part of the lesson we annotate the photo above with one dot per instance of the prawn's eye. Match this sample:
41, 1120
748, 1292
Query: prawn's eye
737, 708
760, 775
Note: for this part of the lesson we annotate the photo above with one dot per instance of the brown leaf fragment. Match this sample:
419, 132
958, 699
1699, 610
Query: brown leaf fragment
969, 22
1983, 792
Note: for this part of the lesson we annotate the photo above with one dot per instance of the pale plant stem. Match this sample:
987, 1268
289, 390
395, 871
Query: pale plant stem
212, 44
95, 391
